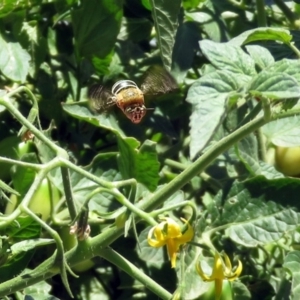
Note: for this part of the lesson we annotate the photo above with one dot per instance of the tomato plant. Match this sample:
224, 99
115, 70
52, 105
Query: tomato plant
146, 169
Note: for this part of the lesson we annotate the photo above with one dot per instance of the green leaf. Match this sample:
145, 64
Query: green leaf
274, 86
269, 171
40, 290
246, 151
96, 26
240, 290
9, 6
140, 164
27, 245
23, 228
104, 120
254, 219
208, 96
292, 262
165, 16
261, 56
286, 66
262, 34
185, 46
283, 132
191, 286
153, 256
135, 29
14, 60
228, 57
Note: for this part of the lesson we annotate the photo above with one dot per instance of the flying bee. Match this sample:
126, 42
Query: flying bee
129, 97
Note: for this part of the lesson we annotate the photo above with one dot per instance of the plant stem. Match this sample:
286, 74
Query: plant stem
261, 14
202, 162
294, 48
37, 133
68, 192
134, 272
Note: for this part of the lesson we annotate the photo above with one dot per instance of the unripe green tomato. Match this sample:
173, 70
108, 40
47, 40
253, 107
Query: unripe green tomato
70, 241
12, 147
40, 202
226, 293
287, 160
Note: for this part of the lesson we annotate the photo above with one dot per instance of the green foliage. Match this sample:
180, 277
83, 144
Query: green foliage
204, 152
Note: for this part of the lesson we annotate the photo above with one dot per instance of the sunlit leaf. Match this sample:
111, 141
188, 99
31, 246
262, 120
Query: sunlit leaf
208, 96
286, 66
14, 60
283, 132
262, 34
27, 245
256, 214
228, 57
274, 86
291, 263
261, 56
105, 120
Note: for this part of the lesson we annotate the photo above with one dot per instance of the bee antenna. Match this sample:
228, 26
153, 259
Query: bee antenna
150, 108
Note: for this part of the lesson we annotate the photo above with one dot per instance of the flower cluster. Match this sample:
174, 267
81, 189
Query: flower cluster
222, 270
168, 233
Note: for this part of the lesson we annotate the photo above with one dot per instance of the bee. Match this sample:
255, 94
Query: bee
128, 96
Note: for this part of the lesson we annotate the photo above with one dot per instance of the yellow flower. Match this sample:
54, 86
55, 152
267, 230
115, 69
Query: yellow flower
168, 233
222, 270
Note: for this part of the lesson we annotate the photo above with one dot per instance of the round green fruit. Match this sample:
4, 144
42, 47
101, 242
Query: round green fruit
287, 160
40, 202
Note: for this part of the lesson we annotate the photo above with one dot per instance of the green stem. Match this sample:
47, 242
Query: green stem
261, 13
215, 185
60, 257
261, 146
294, 48
134, 272
21, 163
37, 133
175, 206
201, 163
68, 192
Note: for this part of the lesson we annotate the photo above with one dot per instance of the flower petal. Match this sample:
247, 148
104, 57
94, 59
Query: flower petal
173, 229
218, 271
237, 272
202, 274
172, 250
227, 262
154, 242
188, 235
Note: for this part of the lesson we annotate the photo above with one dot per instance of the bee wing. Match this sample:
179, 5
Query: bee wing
157, 80
100, 97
